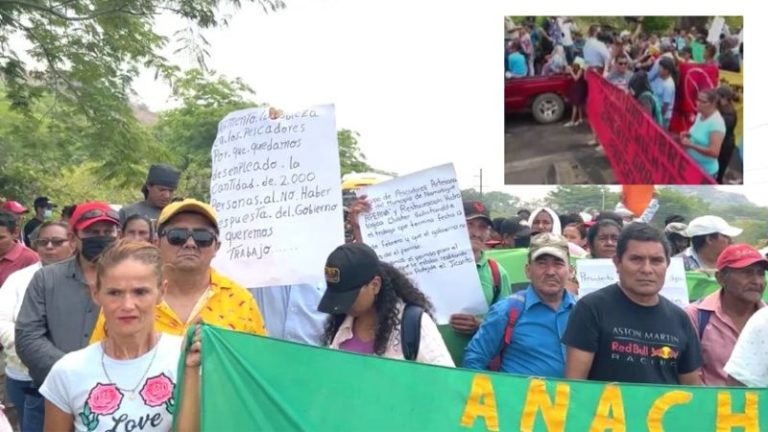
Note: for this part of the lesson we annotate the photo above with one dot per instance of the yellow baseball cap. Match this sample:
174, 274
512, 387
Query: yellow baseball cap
188, 205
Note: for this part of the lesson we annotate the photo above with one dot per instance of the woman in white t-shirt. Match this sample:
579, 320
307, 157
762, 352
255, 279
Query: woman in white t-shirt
127, 381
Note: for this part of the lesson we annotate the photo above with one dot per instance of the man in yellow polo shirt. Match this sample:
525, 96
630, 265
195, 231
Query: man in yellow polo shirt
188, 239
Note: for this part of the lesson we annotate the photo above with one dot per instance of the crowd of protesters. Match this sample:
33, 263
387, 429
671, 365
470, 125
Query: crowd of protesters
646, 65
549, 46
97, 308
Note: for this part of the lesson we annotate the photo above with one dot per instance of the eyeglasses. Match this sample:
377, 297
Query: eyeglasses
96, 213
56, 242
179, 236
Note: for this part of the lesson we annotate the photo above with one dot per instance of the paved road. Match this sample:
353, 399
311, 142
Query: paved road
552, 154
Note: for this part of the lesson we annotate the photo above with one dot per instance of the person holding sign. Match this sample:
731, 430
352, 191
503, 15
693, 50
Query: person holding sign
493, 278
188, 239
721, 316
368, 302
525, 329
627, 332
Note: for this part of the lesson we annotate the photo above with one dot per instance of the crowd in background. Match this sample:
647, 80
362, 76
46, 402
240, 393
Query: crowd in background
646, 65
92, 316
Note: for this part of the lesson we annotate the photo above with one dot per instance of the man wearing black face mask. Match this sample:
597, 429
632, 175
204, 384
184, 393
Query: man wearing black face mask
57, 315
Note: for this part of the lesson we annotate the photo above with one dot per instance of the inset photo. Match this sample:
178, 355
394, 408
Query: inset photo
623, 100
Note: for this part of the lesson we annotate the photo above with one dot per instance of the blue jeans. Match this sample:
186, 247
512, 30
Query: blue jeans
34, 411
15, 391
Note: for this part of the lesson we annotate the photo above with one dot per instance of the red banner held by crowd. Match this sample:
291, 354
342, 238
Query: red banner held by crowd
639, 151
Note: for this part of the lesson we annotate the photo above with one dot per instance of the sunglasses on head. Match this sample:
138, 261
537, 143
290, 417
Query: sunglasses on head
53, 241
96, 213
179, 236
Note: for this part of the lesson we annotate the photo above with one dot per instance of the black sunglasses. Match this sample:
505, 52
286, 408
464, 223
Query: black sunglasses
95, 213
44, 242
179, 236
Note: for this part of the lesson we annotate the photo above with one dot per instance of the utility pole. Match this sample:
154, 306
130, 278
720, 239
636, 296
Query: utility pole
481, 183
603, 206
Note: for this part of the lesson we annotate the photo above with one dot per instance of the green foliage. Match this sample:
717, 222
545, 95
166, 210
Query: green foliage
672, 202
350, 156
499, 204
471, 195
574, 199
85, 55
189, 131
48, 145
659, 24
651, 24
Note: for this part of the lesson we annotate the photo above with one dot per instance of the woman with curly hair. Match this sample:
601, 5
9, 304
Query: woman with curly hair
366, 299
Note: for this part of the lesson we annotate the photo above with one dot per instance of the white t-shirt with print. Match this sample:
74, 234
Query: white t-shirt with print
749, 359
78, 385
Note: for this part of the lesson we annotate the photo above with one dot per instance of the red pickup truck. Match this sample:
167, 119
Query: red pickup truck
544, 96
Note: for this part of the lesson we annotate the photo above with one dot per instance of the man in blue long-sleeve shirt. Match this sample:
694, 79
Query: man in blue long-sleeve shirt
542, 316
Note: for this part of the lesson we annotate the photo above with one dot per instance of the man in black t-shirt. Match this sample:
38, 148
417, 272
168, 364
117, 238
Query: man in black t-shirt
627, 332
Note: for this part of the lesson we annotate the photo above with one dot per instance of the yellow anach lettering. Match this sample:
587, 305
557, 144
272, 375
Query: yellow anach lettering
610, 411
481, 403
727, 420
538, 399
660, 406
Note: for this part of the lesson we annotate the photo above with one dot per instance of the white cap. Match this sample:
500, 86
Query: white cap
623, 211
709, 224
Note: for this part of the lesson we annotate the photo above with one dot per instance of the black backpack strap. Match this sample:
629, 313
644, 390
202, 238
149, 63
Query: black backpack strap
704, 316
410, 331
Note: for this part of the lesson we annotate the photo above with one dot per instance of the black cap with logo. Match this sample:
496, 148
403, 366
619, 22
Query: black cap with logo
347, 269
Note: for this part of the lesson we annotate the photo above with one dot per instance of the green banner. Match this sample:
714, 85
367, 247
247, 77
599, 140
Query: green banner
513, 261
255, 383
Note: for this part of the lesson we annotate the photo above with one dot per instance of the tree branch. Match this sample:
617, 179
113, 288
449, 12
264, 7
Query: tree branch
52, 66
57, 14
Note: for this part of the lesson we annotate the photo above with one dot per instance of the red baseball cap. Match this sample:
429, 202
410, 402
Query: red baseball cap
14, 207
88, 213
740, 256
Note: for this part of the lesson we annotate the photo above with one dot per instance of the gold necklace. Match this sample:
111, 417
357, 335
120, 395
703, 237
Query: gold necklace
130, 392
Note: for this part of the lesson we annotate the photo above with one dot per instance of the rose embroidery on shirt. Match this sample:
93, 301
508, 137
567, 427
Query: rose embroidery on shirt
103, 399
157, 391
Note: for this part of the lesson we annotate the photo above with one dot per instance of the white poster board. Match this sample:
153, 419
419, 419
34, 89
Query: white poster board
715, 29
417, 224
594, 274
275, 186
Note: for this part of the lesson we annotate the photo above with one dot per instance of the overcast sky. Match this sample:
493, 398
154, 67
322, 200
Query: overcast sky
420, 81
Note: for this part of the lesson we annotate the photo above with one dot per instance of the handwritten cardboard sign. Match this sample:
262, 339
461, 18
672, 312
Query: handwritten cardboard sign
275, 186
417, 224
